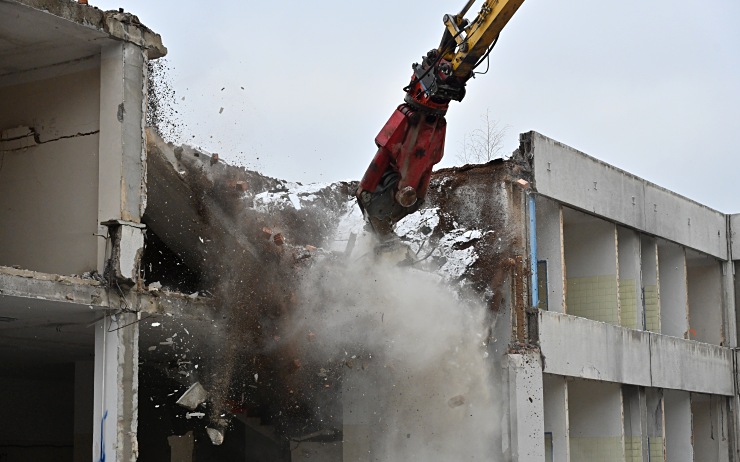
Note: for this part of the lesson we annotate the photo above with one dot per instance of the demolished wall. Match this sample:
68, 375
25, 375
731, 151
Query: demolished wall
309, 319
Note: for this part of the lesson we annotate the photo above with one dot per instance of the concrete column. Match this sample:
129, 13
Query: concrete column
728, 305
122, 151
115, 414
526, 408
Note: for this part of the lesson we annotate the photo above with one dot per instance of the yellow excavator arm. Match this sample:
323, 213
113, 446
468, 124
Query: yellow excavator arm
412, 141
474, 39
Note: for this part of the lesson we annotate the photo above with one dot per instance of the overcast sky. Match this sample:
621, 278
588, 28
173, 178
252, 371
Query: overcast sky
650, 86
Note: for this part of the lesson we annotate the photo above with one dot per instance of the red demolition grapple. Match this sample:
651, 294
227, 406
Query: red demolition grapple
409, 145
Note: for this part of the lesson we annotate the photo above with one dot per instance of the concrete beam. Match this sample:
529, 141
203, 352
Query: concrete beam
118, 25
95, 294
53, 287
692, 366
581, 181
579, 347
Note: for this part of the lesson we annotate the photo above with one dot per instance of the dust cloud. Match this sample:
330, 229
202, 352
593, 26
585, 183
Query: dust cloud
416, 370
392, 362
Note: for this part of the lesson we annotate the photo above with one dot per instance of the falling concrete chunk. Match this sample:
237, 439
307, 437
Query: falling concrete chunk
193, 397
216, 436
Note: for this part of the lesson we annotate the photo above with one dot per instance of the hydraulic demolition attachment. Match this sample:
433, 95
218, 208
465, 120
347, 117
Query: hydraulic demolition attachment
412, 141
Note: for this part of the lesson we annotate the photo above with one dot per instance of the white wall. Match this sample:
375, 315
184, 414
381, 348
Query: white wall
655, 423
550, 249
651, 289
595, 417
634, 430
710, 430
704, 277
672, 286
678, 436
590, 249
555, 390
629, 283
590, 245
48, 193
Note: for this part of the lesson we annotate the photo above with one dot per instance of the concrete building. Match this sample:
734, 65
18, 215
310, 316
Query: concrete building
636, 291
612, 301
72, 194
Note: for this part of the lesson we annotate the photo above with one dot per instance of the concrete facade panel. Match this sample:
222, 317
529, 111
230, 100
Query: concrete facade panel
578, 180
691, 366
579, 347
683, 221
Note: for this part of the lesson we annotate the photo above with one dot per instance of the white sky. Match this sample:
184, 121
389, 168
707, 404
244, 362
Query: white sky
651, 86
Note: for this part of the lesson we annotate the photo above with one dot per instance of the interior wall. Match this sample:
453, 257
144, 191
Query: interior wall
37, 408
555, 395
710, 431
633, 430
590, 249
678, 436
550, 250
704, 279
595, 418
48, 192
649, 275
673, 293
655, 424
629, 284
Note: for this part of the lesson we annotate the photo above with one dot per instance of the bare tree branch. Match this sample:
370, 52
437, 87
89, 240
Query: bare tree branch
483, 144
